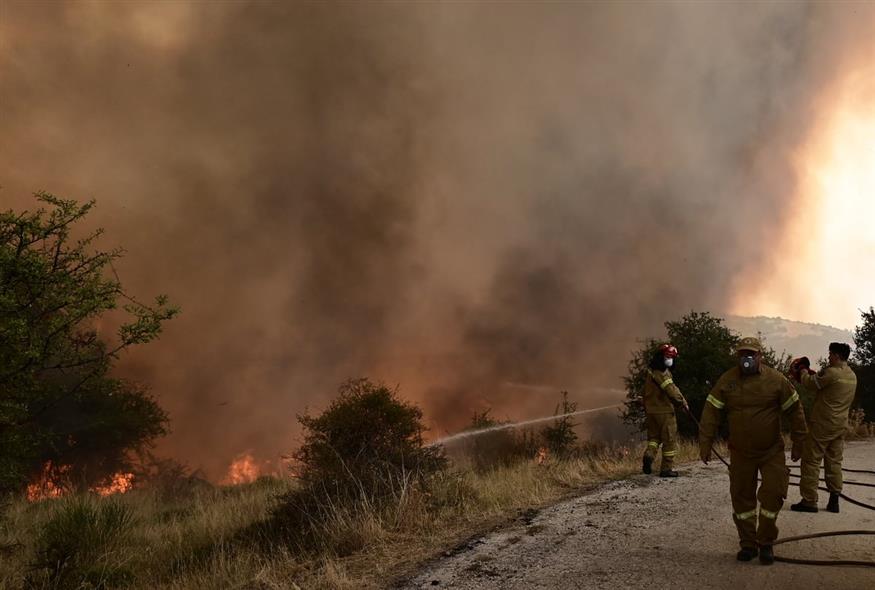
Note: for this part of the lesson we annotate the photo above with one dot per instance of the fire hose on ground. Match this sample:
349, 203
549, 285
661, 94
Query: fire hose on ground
831, 562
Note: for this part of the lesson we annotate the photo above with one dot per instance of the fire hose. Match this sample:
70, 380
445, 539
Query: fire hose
858, 470
831, 562
869, 471
845, 482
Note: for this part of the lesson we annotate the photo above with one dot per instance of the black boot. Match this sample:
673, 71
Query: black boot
668, 473
746, 554
801, 506
766, 555
648, 465
833, 504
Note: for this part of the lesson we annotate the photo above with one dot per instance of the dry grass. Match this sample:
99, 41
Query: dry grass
199, 540
858, 428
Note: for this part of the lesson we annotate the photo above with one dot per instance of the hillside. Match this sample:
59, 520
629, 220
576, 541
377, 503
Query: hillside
796, 338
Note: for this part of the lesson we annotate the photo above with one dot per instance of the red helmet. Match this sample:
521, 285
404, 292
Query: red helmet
668, 351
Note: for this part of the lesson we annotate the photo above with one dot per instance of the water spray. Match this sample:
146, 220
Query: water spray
509, 425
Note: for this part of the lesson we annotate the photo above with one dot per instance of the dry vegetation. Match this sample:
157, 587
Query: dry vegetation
858, 427
182, 533
216, 537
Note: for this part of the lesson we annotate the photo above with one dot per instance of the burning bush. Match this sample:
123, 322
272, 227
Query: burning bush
243, 469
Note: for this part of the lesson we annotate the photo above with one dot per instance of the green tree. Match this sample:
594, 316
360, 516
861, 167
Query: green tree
864, 339
59, 402
864, 362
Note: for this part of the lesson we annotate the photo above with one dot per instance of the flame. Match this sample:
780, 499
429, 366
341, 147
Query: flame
52, 483
46, 486
118, 484
541, 456
242, 470
830, 245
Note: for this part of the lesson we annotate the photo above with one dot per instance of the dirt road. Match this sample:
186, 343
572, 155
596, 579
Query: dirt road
647, 532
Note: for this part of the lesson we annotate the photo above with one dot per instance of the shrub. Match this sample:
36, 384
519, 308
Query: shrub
170, 479
365, 442
363, 457
560, 437
497, 448
81, 546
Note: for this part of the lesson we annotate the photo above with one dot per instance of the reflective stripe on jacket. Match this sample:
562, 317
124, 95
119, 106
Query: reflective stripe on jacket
834, 387
659, 391
754, 405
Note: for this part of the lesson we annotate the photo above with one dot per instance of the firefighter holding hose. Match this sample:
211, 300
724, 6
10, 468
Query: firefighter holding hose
660, 393
834, 389
754, 397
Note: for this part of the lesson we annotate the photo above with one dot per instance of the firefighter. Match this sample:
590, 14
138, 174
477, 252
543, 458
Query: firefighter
754, 396
834, 389
662, 427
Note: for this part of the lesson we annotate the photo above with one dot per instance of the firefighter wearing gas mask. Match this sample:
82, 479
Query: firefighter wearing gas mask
754, 397
834, 389
660, 393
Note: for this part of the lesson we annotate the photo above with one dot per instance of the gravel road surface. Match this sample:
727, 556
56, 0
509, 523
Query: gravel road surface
647, 532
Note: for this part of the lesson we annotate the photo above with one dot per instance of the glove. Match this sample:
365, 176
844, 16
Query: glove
705, 454
796, 452
799, 365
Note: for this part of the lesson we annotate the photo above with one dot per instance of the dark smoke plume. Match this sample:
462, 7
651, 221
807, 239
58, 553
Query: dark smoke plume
468, 200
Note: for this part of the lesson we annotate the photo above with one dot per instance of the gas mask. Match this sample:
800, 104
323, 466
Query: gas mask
749, 364
669, 362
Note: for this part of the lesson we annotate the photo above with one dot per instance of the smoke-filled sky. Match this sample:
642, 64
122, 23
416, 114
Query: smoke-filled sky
477, 202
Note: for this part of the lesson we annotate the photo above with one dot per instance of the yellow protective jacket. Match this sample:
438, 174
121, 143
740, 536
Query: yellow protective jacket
659, 392
834, 389
754, 404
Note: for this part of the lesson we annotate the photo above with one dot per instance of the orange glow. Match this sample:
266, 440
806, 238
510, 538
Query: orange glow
52, 483
825, 274
118, 484
541, 456
242, 470
46, 485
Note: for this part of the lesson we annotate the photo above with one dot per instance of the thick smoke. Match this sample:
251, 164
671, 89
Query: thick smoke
466, 200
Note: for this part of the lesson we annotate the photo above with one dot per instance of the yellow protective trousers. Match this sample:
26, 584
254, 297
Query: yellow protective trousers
817, 450
662, 429
743, 473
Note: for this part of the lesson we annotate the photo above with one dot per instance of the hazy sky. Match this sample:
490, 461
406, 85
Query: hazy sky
461, 199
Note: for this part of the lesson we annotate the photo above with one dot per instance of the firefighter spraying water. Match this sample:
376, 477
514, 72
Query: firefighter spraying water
660, 395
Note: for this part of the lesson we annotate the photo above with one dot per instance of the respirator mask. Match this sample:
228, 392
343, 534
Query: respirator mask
668, 362
749, 364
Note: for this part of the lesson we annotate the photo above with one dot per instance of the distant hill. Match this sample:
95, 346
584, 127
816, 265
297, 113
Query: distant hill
796, 338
